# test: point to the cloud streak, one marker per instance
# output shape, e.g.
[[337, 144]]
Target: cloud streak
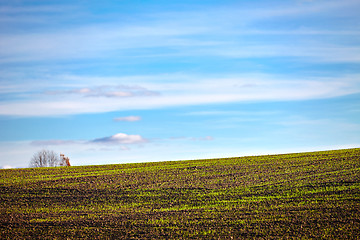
[[121, 138], [186, 33], [183, 90], [53, 142], [127, 119], [117, 91], [7, 167], [207, 138]]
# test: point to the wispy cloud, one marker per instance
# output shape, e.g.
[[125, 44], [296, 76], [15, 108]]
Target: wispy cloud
[[53, 142], [184, 33], [19, 10], [325, 123], [7, 167], [106, 91], [231, 113], [186, 90], [61, 46], [127, 119], [207, 138], [121, 138]]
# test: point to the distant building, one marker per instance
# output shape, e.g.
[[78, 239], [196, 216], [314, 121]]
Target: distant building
[[65, 160]]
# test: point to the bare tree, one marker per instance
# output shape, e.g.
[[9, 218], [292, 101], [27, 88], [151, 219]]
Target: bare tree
[[46, 158]]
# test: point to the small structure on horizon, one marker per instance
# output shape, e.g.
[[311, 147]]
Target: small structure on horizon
[[65, 160]]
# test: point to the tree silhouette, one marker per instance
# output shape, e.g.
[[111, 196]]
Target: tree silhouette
[[46, 158]]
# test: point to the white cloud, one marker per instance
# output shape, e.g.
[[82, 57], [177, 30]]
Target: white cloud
[[188, 33], [207, 138], [80, 152], [62, 46], [7, 167], [121, 138], [127, 119], [185, 90], [228, 113], [106, 91], [214, 32]]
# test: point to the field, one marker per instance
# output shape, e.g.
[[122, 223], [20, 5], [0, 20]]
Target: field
[[289, 196]]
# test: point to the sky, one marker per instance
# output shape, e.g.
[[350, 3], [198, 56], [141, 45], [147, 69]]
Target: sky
[[123, 81]]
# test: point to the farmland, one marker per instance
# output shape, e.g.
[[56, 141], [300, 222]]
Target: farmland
[[301, 195]]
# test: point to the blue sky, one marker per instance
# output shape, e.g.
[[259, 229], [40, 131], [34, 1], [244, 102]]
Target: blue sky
[[134, 81]]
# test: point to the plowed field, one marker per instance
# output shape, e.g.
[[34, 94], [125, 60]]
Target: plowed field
[[304, 195]]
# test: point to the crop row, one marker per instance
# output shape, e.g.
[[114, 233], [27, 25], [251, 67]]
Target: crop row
[[305, 195]]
